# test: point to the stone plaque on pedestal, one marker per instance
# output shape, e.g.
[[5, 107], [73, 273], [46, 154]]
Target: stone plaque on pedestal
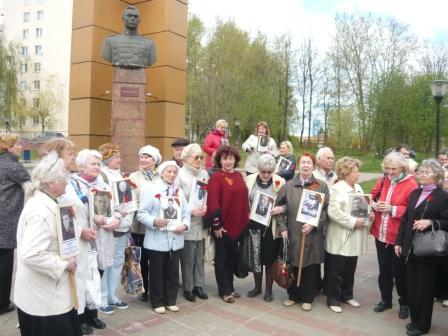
[[128, 114]]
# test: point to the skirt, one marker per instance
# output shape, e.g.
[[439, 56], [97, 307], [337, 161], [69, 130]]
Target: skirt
[[66, 324]]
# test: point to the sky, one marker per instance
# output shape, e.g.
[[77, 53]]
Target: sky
[[314, 18]]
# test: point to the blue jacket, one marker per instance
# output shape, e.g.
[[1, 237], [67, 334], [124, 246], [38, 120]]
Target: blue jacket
[[149, 210]]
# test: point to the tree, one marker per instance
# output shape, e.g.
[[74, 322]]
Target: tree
[[48, 103]]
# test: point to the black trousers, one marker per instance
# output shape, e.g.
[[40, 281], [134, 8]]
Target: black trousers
[[88, 316], [442, 280], [224, 263], [309, 284], [144, 261], [421, 278], [6, 269], [163, 277], [340, 278], [56, 325], [391, 268]]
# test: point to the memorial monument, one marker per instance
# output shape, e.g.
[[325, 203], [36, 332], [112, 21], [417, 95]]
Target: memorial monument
[[130, 53]]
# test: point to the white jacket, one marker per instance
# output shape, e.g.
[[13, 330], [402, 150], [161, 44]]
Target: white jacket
[[252, 156], [42, 284], [342, 237]]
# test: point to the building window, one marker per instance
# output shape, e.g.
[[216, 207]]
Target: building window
[[40, 15], [25, 34], [23, 68], [36, 85], [23, 102], [36, 102], [22, 85], [38, 49], [22, 121], [39, 32], [36, 120], [26, 17], [24, 51], [37, 67]]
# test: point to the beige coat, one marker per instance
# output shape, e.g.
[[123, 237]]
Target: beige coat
[[290, 195], [342, 236], [42, 284], [277, 182]]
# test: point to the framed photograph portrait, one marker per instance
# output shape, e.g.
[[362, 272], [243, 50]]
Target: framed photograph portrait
[[310, 207], [359, 205], [198, 195], [283, 164], [262, 205], [263, 143], [170, 210], [68, 241], [124, 195], [100, 203]]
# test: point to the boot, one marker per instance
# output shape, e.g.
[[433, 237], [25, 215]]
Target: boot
[[268, 297], [257, 290]]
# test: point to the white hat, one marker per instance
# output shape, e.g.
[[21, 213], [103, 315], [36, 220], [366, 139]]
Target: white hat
[[165, 164], [151, 151], [190, 150]]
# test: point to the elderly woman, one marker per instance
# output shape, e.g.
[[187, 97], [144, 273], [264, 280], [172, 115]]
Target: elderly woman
[[346, 234], [42, 285], [268, 183], [228, 216], [192, 256], [163, 246], [215, 139], [426, 208], [93, 239], [150, 158], [63, 147], [390, 199], [251, 146], [286, 151], [110, 173], [290, 196], [12, 177]]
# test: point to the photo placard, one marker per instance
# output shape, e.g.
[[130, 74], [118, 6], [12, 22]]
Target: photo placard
[[283, 164], [263, 143], [170, 210], [124, 195], [261, 208], [359, 205], [67, 232], [310, 207], [100, 203], [198, 195]]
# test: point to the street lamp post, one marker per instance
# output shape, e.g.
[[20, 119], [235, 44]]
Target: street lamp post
[[439, 89]]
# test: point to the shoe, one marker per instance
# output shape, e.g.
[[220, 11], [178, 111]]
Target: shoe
[[409, 326], [160, 310], [97, 323], [353, 303], [254, 292], [236, 295], [403, 312], [8, 309], [382, 306], [86, 329], [289, 303], [228, 298], [306, 306], [415, 332], [173, 308], [119, 304], [108, 310], [200, 293], [268, 297], [189, 296], [445, 303], [336, 309], [143, 297]]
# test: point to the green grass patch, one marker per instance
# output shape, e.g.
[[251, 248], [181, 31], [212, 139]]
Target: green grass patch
[[367, 185]]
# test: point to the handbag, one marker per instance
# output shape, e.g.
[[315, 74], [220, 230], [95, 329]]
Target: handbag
[[280, 269], [131, 274], [251, 251], [433, 243]]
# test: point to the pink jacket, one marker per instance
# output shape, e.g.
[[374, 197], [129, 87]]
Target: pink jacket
[[212, 142]]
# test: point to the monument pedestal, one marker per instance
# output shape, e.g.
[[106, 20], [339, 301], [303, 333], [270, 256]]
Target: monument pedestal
[[128, 115]]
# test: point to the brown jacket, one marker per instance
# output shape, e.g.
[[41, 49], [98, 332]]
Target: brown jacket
[[290, 195]]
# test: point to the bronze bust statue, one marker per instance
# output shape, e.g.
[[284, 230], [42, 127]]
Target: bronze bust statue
[[129, 50]]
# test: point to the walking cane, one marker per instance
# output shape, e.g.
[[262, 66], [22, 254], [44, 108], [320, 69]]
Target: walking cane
[[73, 290], [302, 249]]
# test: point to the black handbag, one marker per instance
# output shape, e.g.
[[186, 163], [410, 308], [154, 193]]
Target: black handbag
[[433, 243]]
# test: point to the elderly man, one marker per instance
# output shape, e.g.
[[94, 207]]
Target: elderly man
[[325, 162], [442, 158], [178, 145]]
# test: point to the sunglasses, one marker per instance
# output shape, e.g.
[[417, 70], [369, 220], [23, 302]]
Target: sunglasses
[[266, 172], [198, 157]]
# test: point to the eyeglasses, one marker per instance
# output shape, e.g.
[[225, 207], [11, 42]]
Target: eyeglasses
[[197, 157], [266, 172], [425, 173]]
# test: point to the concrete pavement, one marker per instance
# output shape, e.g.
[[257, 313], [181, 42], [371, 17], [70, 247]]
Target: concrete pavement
[[255, 317]]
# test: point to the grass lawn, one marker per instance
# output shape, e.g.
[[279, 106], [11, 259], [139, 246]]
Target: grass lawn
[[367, 185]]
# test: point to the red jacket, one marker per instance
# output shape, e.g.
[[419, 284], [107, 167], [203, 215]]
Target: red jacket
[[211, 143], [385, 226]]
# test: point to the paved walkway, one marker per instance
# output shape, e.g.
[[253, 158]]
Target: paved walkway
[[256, 317]]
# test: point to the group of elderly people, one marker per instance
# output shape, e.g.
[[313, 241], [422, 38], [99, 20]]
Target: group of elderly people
[[44, 281]]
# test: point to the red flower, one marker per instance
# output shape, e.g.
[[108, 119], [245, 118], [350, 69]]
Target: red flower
[[277, 183], [131, 184], [157, 196], [204, 187], [94, 190], [429, 198]]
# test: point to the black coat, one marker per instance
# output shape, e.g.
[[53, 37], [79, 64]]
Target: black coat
[[436, 210]]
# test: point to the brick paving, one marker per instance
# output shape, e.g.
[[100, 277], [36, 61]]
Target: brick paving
[[255, 317]]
